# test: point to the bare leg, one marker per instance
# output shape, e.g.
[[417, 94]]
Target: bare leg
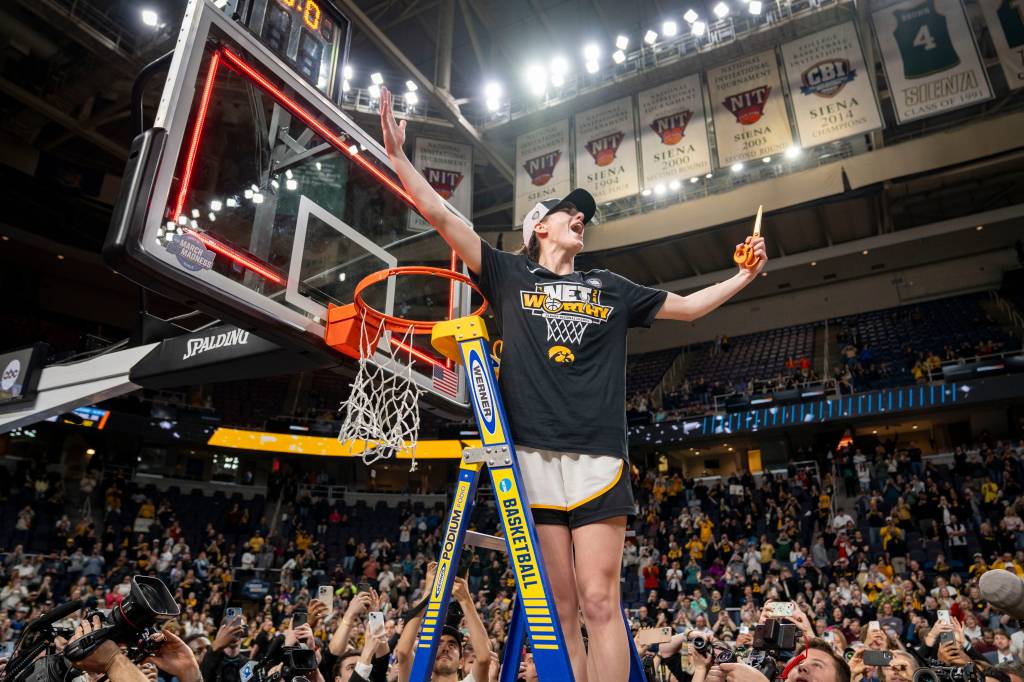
[[598, 549], [556, 546]]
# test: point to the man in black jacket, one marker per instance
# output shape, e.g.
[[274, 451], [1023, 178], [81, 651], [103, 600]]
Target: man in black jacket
[[224, 659]]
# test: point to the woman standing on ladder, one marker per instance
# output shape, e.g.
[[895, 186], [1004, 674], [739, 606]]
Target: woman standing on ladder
[[563, 380]]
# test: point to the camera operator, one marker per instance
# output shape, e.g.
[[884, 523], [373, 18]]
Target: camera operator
[[172, 657], [224, 659]]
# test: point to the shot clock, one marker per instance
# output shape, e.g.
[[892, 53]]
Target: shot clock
[[311, 36]]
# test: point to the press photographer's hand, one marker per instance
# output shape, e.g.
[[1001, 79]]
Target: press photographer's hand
[[103, 657]]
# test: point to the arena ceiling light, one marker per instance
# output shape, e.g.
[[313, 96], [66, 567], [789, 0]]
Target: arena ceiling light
[[618, 56], [674, 185], [650, 37], [659, 189], [374, 91], [411, 98], [593, 67], [621, 42], [559, 67], [793, 151], [691, 16], [698, 28], [150, 18], [492, 95], [754, 7], [736, 167], [537, 79], [347, 72], [669, 29], [591, 52], [646, 192], [694, 180], [411, 86], [721, 10]]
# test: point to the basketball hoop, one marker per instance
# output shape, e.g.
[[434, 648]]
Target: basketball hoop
[[382, 411]]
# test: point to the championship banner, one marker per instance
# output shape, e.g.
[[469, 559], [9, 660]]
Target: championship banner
[[673, 132], [542, 166], [1005, 19], [930, 58], [749, 109], [829, 86], [448, 167], [606, 151]]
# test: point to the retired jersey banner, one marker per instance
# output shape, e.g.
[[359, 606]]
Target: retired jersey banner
[[606, 151], [931, 60], [542, 166], [1005, 19], [749, 109], [673, 134], [448, 167], [829, 87]]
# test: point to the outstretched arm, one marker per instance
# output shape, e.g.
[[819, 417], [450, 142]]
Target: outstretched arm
[[700, 303], [459, 235]]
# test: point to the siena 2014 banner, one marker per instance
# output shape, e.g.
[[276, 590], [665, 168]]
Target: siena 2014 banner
[[829, 86], [606, 151], [930, 58], [749, 109], [542, 166], [1005, 19], [448, 167], [673, 134]]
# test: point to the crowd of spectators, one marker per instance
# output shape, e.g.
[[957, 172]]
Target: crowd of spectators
[[907, 540]]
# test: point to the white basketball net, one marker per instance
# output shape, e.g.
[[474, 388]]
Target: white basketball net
[[383, 410], [565, 329]]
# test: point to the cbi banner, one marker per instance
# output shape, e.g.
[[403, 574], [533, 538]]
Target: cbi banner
[[930, 58], [1005, 19], [448, 167], [673, 132], [606, 151], [748, 109], [542, 166], [829, 86]]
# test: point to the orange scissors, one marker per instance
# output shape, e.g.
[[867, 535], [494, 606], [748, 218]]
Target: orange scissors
[[744, 255]]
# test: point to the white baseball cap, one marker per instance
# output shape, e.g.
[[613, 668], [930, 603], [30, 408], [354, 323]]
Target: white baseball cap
[[580, 198]]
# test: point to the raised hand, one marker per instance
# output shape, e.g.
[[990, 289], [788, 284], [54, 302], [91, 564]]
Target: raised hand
[[757, 245], [394, 131]]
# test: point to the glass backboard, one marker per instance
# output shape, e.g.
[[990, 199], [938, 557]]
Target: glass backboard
[[256, 199]]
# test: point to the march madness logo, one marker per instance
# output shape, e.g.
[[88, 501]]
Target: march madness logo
[[671, 128], [827, 78], [568, 308], [603, 149], [748, 107], [541, 168], [444, 182]]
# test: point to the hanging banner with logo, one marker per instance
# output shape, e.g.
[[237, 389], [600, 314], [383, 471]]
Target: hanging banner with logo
[[829, 87], [930, 58], [1005, 19], [448, 167], [673, 133], [606, 151], [749, 109], [542, 166]]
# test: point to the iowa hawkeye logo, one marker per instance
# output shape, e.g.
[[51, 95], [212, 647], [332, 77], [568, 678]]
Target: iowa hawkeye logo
[[748, 107], [671, 128], [541, 168], [827, 78], [603, 149], [444, 182]]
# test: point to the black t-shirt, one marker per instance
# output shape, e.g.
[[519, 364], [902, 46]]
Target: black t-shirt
[[563, 363]]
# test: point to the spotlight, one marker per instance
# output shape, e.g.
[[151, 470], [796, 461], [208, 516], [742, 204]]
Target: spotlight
[[593, 67], [814, 263], [766, 159], [650, 37], [618, 56], [345, 86], [537, 77], [559, 66], [374, 91], [721, 10], [621, 42], [659, 189], [150, 18], [754, 7], [793, 151], [864, 252], [698, 28], [411, 86], [979, 228], [646, 192], [708, 176], [492, 90], [411, 98], [291, 185], [674, 185], [591, 52], [558, 80], [493, 105], [347, 72], [376, 78], [736, 167], [669, 29], [694, 180], [691, 16]]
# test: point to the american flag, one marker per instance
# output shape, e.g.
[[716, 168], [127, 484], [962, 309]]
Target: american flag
[[445, 380]]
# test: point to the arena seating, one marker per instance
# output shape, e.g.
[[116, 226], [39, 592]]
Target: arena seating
[[645, 371]]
